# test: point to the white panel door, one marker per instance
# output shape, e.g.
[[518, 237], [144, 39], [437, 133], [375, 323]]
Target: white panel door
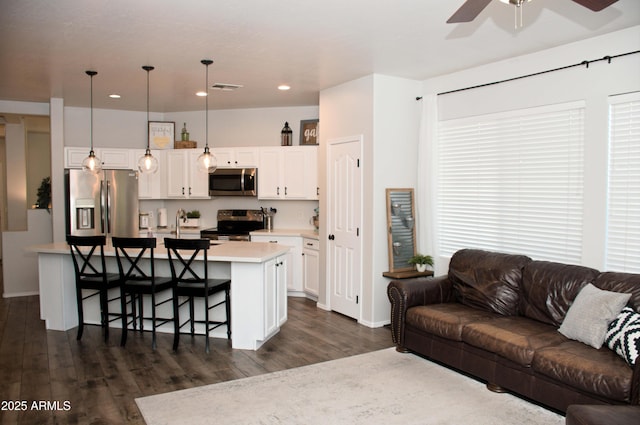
[[345, 214]]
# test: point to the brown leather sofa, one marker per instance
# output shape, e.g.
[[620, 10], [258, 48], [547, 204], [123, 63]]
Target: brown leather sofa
[[496, 317]]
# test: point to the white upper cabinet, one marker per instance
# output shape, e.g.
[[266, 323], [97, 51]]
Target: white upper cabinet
[[288, 172], [183, 179], [111, 158], [236, 157]]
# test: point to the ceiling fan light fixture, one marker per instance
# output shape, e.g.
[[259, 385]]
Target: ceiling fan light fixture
[[91, 164]]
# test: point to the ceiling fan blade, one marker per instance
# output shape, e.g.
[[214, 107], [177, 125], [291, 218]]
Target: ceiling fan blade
[[595, 5], [468, 11]]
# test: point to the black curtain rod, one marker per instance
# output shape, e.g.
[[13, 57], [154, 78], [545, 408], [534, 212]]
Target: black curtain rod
[[585, 63]]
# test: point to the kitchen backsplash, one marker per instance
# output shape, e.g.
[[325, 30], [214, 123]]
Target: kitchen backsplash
[[290, 215]]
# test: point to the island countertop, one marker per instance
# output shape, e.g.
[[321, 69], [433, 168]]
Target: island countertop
[[232, 251], [258, 288]]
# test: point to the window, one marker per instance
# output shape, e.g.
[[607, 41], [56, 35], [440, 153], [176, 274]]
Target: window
[[623, 204], [513, 182]]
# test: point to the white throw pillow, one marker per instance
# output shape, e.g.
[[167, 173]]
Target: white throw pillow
[[590, 314]]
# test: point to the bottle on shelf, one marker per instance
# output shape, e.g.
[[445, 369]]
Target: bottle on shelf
[[184, 134]]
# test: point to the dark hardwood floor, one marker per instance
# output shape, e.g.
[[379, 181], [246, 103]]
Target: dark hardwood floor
[[93, 382]]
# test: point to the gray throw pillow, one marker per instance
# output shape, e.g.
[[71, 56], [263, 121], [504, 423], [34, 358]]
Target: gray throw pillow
[[590, 314]]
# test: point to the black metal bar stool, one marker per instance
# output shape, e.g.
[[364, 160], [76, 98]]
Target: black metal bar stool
[[138, 278], [188, 283], [87, 253]]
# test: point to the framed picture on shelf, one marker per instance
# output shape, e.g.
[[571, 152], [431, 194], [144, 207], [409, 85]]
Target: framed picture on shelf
[[309, 132], [161, 134]]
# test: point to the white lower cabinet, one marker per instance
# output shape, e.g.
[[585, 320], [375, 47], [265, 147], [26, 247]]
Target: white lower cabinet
[[294, 256], [310, 266], [275, 299]]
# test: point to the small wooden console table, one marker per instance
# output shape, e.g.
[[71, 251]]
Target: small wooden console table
[[407, 274]]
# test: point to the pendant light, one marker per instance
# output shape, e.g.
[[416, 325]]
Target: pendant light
[[207, 162], [92, 163], [148, 164]]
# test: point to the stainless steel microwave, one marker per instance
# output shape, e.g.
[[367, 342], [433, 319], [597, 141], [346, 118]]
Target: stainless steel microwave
[[233, 182]]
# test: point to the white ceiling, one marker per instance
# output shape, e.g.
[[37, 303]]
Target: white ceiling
[[46, 46]]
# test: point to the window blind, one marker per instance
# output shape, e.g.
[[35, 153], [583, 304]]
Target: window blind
[[623, 203], [513, 182]]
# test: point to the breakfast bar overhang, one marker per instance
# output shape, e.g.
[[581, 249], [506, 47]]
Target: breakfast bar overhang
[[258, 287]]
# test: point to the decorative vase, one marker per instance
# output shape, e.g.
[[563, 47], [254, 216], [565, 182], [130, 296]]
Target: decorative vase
[[421, 267]]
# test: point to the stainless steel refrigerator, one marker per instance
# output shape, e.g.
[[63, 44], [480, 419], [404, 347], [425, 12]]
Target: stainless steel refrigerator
[[102, 204]]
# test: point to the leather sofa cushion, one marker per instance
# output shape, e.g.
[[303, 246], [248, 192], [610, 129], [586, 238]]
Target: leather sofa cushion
[[487, 280], [599, 372], [514, 338], [548, 289], [627, 283], [445, 320], [595, 414]]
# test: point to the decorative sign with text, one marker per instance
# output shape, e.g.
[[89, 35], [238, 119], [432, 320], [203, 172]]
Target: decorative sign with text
[[309, 132]]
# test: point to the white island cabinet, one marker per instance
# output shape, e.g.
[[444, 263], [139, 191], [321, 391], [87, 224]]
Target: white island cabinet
[[258, 288]]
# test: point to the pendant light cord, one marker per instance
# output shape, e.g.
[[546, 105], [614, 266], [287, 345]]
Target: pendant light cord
[[206, 63], [91, 122], [148, 69], [91, 74], [206, 106]]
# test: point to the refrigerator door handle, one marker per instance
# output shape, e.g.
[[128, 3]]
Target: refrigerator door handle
[[103, 205], [108, 207]]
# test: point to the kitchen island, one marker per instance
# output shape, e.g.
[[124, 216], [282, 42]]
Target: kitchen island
[[258, 288]]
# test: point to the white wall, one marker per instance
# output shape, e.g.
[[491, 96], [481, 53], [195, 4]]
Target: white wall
[[384, 111], [395, 161], [20, 266], [242, 127], [593, 85], [16, 176], [345, 111], [38, 156]]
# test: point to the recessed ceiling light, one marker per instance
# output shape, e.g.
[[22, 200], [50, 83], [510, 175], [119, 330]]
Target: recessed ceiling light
[[283, 87], [114, 96], [201, 93]]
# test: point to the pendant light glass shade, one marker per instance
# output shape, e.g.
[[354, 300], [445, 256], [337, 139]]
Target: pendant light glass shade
[[148, 164], [207, 162], [91, 164]]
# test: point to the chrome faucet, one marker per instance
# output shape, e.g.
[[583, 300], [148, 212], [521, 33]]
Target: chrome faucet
[[180, 214]]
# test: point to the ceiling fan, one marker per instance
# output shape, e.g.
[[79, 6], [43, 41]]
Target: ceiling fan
[[472, 8]]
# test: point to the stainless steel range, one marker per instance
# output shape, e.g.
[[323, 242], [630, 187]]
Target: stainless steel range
[[235, 225]]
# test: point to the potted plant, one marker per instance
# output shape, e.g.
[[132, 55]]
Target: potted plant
[[421, 261], [44, 194], [193, 219]]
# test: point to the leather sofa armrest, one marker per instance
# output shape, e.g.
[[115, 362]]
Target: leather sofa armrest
[[635, 384], [404, 294]]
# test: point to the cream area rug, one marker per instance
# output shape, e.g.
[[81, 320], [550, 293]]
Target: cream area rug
[[382, 387]]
